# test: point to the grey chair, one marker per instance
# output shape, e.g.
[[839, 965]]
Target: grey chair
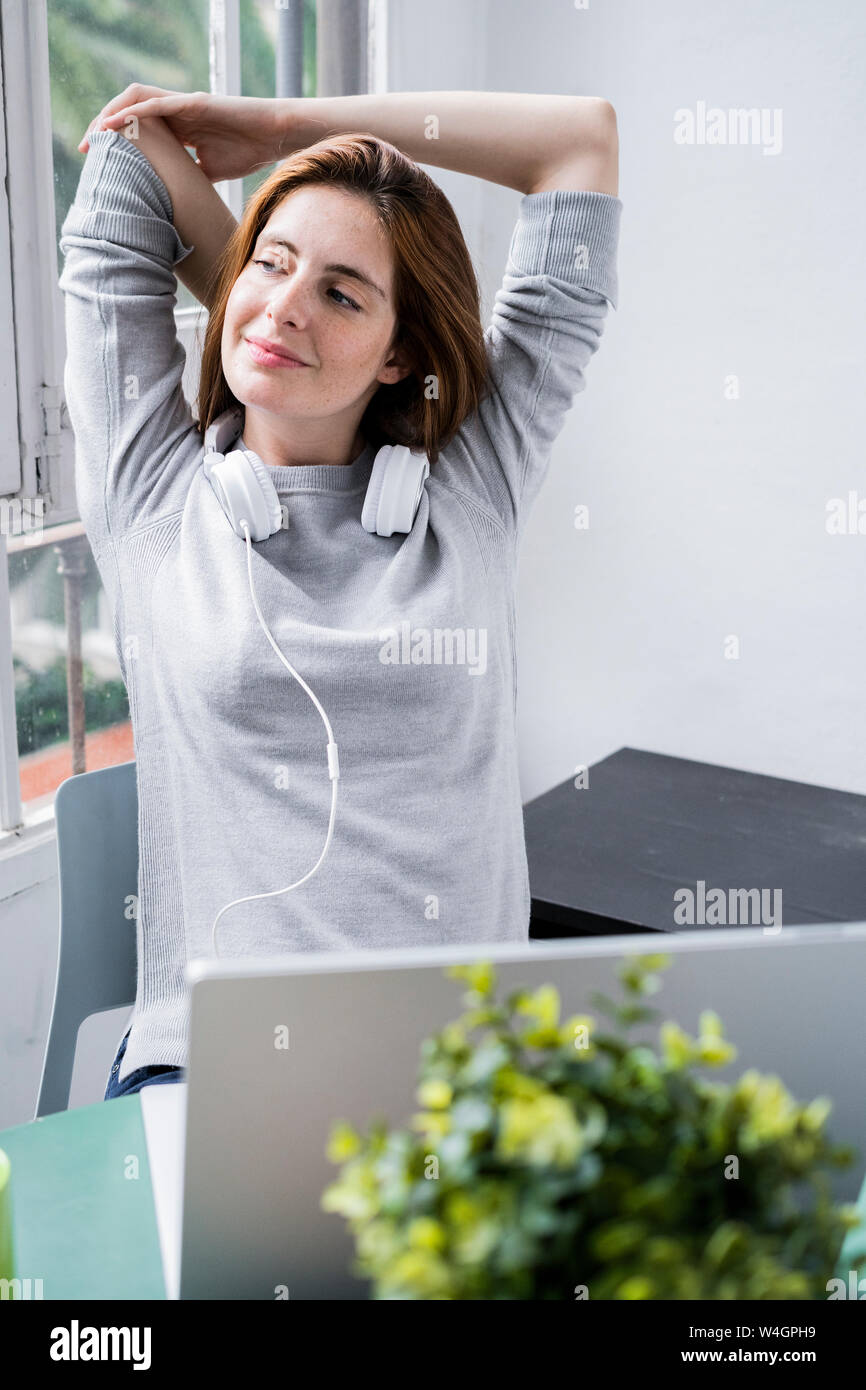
[[96, 815]]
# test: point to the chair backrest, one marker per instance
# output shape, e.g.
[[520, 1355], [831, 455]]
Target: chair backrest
[[96, 815]]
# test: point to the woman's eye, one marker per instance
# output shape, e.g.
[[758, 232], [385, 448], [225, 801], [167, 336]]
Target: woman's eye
[[349, 301]]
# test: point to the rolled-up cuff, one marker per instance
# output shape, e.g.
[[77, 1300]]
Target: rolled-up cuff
[[121, 198], [569, 234]]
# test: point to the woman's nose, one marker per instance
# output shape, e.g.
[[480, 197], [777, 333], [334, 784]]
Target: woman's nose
[[290, 302]]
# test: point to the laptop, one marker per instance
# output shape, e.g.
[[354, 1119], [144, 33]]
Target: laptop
[[282, 1046]]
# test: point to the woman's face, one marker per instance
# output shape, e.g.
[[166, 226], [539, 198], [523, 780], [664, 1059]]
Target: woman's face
[[306, 296]]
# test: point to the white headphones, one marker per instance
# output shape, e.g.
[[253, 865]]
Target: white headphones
[[245, 488], [246, 493]]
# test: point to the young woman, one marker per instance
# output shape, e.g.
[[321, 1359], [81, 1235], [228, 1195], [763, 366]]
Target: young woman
[[343, 319]]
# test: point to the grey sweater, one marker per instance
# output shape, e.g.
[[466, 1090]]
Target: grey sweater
[[408, 641]]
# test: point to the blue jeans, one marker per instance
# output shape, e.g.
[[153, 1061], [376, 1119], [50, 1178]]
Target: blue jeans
[[142, 1076]]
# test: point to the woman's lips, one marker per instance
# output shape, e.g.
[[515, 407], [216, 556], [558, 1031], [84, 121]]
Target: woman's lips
[[265, 358]]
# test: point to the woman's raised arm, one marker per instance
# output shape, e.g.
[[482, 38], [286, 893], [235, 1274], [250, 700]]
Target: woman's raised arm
[[519, 139], [522, 140], [201, 217]]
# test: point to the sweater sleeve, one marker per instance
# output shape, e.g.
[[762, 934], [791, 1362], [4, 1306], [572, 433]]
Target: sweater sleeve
[[124, 363], [547, 322]]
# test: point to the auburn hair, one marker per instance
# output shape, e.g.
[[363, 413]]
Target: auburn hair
[[436, 294]]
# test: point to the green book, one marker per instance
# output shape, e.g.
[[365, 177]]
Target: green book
[[83, 1218]]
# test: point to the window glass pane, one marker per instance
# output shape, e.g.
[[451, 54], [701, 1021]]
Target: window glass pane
[[44, 629], [259, 26], [96, 48]]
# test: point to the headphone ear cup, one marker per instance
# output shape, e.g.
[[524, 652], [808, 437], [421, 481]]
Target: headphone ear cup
[[394, 490], [245, 491]]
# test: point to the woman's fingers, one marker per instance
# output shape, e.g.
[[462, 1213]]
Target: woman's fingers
[[136, 91], [153, 106], [110, 120], [132, 99]]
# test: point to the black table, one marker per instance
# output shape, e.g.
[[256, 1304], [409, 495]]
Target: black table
[[628, 852]]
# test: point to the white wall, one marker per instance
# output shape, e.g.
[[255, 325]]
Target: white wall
[[707, 514]]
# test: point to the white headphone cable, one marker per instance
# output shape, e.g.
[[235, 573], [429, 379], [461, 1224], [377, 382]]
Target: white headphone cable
[[333, 759]]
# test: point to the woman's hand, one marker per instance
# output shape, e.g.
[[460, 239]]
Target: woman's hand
[[231, 136]]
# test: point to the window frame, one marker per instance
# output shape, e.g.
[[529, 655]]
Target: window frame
[[38, 462]]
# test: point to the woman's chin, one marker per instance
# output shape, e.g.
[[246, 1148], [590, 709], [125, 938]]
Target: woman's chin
[[258, 394], [262, 388]]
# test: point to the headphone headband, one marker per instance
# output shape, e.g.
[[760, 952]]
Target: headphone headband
[[246, 492]]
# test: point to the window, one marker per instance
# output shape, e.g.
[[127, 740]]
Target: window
[[63, 704]]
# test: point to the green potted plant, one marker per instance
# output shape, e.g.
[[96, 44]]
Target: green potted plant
[[554, 1161]]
